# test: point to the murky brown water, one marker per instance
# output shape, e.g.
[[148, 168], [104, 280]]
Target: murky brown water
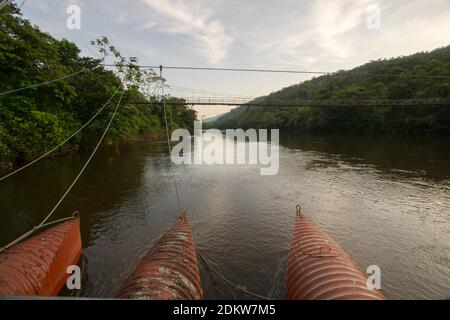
[[386, 200]]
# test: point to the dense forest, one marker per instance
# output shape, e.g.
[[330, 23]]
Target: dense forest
[[35, 120], [382, 79]]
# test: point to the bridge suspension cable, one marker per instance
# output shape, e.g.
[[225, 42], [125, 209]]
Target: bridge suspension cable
[[213, 93], [291, 71]]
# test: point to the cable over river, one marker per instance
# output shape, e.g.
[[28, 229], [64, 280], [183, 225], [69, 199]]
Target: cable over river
[[386, 200]]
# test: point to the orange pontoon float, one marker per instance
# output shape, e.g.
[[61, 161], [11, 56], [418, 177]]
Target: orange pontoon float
[[169, 271], [319, 269], [38, 265]]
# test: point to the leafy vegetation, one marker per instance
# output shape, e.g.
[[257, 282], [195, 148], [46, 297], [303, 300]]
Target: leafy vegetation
[[394, 81], [33, 121]]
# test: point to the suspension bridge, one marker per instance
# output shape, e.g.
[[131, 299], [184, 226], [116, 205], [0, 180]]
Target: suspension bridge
[[244, 101]]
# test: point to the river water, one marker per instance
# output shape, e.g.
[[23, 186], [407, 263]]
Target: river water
[[385, 200]]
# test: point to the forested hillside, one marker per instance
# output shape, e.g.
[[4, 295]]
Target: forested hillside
[[33, 121], [388, 79]]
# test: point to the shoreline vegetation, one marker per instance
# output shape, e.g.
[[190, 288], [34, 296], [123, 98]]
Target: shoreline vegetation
[[406, 77], [35, 120]]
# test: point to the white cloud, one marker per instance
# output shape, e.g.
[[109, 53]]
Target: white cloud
[[191, 19], [319, 35], [323, 26], [334, 19], [331, 35]]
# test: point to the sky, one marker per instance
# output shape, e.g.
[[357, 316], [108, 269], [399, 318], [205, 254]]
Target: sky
[[313, 35]]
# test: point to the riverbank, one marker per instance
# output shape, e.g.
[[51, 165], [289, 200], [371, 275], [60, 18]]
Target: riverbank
[[427, 120], [5, 167]]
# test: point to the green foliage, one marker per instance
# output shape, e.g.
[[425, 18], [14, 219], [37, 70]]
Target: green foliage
[[355, 85], [33, 121], [4, 146], [37, 126]]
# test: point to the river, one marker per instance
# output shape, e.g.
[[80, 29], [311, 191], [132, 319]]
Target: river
[[386, 200]]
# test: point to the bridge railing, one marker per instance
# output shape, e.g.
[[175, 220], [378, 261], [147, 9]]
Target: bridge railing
[[305, 102]]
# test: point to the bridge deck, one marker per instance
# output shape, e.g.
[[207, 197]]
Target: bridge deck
[[299, 103]]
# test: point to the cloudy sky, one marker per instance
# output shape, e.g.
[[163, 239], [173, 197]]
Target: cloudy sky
[[318, 35]]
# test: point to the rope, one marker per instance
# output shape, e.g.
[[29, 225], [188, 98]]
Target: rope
[[62, 143], [183, 213], [47, 225], [168, 140], [234, 285], [44, 83], [274, 290], [43, 223], [58, 221]]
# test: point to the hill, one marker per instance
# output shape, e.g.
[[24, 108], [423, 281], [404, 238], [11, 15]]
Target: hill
[[392, 81], [214, 118]]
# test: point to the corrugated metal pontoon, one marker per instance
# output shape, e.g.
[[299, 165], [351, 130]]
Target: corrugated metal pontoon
[[169, 271], [319, 269], [38, 266]]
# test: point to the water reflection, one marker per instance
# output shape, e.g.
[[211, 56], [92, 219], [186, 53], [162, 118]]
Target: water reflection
[[424, 156]]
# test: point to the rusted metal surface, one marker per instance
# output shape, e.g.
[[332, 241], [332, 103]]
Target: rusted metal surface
[[169, 271], [319, 269], [37, 266]]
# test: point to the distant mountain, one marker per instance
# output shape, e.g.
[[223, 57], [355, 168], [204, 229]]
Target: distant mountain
[[232, 114], [217, 117], [392, 82]]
